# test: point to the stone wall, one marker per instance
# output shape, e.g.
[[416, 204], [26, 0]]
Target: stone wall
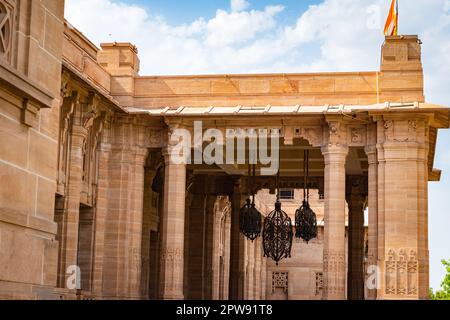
[[29, 129]]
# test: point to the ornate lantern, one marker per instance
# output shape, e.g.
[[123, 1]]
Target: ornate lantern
[[250, 218], [305, 218], [277, 232]]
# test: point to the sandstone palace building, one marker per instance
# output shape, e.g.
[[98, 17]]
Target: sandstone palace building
[[89, 197]]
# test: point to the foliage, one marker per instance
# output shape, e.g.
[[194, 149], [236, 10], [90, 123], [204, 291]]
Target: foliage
[[444, 293]]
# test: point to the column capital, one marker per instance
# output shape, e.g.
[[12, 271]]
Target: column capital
[[371, 150], [141, 155], [79, 135], [357, 188], [335, 153]]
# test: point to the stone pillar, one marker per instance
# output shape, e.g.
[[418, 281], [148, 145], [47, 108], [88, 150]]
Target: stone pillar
[[135, 226], [263, 277], [69, 249], [196, 239], [237, 247], [403, 212], [209, 280], [250, 270], [372, 156], [225, 276], [335, 153], [258, 267], [100, 217], [172, 237], [356, 199]]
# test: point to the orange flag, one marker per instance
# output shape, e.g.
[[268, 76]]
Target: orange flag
[[391, 27]]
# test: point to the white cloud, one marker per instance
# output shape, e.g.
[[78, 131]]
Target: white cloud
[[239, 5], [238, 27]]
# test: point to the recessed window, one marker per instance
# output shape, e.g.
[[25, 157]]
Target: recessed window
[[287, 194]]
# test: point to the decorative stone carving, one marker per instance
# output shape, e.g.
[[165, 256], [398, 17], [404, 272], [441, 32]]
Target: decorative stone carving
[[172, 254], [155, 138], [403, 131], [357, 135], [334, 267], [334, 132], [412, 126], [7, 13], [319, 282], [313, 135], [66, 120], [66, 92], [412, 273], [389, 130], [280, 280], [390, 273], [401, 273]]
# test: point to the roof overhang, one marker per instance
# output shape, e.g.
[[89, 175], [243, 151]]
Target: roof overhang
[[211, 111], [440, 115]]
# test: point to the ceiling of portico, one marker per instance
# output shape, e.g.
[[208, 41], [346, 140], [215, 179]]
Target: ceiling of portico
[[291, 162]]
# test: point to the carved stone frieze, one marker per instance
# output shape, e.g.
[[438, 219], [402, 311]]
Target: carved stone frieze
[[401, 272], [404, 131]]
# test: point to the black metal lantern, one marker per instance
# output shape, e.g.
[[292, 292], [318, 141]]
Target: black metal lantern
[[305, 218], [277, 233], [250, 218]]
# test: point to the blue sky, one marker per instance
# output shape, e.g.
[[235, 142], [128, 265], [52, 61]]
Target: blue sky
[[186, 11], [204, 37]]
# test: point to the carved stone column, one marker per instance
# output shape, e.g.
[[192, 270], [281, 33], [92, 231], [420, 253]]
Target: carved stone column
[[356, 199], [173, 223], [250, 270], [136, 224], [372, 156], [69, 253], [258, 267], [237, 245], [335, 152], [403, 209], [100, 216]]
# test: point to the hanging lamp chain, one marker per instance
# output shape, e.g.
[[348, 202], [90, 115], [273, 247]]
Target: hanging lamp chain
[[305, 218]]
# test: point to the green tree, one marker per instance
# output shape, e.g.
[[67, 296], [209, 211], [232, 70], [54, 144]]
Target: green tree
[[444, 293]]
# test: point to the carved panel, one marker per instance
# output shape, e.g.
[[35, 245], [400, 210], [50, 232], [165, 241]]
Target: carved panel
[[155, 138], [412, 273], [7, 23], [319, 282], [357, 136], [401, 268], [391, 273], [404, 131], [313, 135], [334, 269], [172, 254], [280, 280]]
